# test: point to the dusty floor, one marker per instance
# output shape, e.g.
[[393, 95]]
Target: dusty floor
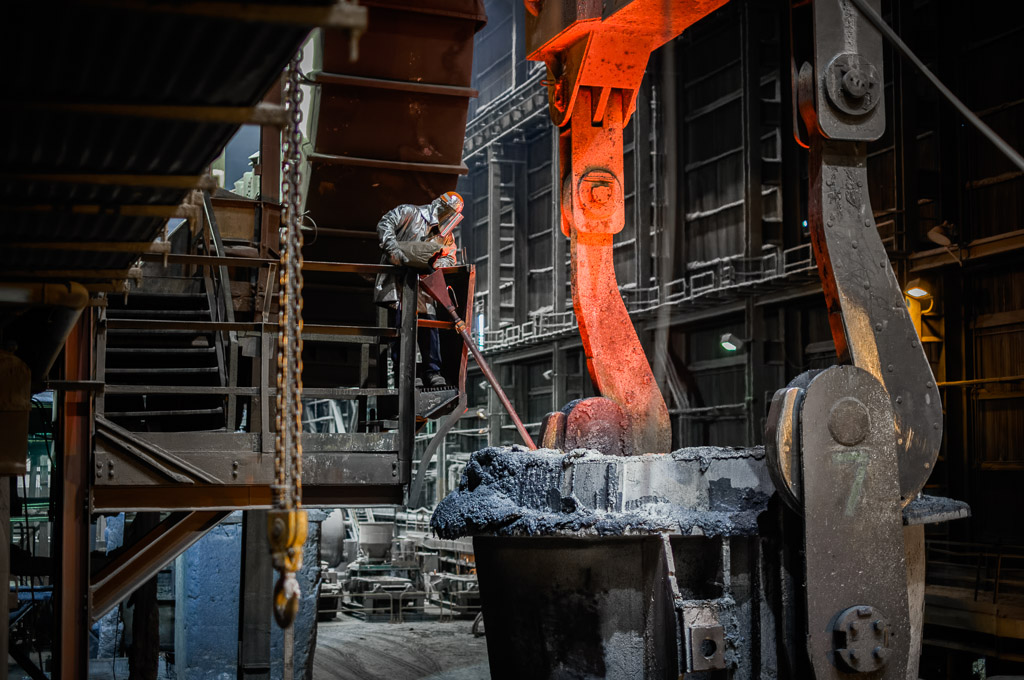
[[349, 649]]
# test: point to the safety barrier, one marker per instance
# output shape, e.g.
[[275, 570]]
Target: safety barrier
[[706, 283]]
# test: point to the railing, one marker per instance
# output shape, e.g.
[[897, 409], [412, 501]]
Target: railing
[[988, 571], [218, 294], [262, 336], [706, 283], [407, 599]]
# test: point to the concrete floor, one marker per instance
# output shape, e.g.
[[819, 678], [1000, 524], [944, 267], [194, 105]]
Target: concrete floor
[[350, 649]]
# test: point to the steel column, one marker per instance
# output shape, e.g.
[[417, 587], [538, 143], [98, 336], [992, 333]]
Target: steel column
[[72, 648], [255, 602], [406, 382], [5, 563], [752, 213], [558, 280], [493, 319], [642, 161]]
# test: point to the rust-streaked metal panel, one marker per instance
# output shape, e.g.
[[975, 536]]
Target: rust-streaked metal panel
[[388, 129]]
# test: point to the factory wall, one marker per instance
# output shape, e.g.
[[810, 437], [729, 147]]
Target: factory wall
[[207, 608]]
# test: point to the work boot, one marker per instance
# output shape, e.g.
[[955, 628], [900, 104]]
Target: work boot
[[435, 380], [419, 381]]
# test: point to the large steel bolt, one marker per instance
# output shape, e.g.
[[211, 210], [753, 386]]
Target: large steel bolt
[[600, 193], [860, 647], [848, 421], [853, 84], [856, 83], [558, 95]]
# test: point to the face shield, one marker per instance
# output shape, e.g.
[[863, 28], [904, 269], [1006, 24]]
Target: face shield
[[449, 212]]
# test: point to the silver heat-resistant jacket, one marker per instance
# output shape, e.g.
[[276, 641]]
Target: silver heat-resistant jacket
[[410, 223]]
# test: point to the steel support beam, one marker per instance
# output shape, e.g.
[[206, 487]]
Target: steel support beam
[[261, 114], [339, 15], [254, 262], [1003, 244], [122, 210], [241, 497], [141, 561], [493, 318], [559, 281], [406, 376], [5, 562], [642, 166], [753, 213], [325, 78], [72, 648], [105, 179], [256, 600]]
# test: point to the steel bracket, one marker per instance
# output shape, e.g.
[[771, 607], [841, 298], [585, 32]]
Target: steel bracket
[[853, 526]]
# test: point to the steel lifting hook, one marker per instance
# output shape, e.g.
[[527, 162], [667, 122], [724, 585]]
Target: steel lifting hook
[[287, 532]]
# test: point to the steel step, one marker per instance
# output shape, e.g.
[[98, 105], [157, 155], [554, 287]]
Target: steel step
[[158, 331], [163, 369], [161, 350], [179, 412], [196, 314]]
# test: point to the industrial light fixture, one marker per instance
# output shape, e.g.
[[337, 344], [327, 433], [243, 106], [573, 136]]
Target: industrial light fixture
[[939, 234], [942, 235], [731, 343], [917, 290]]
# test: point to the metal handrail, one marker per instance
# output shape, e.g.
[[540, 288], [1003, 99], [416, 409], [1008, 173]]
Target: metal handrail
[[225, 311]]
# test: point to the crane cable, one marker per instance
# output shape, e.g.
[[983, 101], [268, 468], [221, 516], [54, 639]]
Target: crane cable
[[971, 117]]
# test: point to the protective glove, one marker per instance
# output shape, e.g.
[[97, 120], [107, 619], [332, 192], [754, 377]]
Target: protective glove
[[419, 255], [398, 257]]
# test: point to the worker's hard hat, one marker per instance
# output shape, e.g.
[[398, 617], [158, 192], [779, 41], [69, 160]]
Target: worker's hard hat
[[452, 199], [450, 213]]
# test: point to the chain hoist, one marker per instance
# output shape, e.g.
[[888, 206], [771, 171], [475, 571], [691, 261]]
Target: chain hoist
[[287, 523]]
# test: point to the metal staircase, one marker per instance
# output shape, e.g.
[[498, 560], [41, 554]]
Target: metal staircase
[[163, 358]]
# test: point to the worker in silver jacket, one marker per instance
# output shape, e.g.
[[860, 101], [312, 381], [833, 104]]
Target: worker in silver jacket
[[397, 231]]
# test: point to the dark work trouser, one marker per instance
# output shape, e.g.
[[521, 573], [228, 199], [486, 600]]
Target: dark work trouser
[[429, 343]]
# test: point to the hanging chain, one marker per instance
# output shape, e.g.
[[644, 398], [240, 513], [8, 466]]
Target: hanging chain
[[286, 522], [288, 463]]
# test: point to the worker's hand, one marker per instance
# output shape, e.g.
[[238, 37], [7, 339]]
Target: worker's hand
[[398, 258]]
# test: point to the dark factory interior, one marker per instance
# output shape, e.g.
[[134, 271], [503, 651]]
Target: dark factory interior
[[715, 370]]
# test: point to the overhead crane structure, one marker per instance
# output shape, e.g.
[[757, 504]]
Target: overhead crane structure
[[166, 384]]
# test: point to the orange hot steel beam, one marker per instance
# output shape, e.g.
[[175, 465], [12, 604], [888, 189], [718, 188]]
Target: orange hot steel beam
[[596, 54]]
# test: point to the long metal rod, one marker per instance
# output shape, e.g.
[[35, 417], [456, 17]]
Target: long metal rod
[[435, 286], [971, 117], [486, 369], [981, 381]]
